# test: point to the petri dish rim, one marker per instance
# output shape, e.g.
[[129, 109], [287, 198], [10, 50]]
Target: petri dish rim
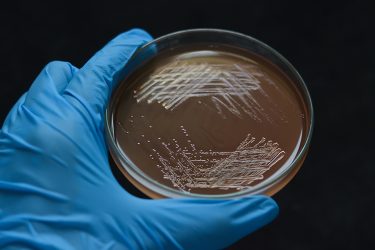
[[138, 175]]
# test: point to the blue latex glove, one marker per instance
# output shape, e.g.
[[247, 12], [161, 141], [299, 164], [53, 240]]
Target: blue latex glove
[[56, 187]]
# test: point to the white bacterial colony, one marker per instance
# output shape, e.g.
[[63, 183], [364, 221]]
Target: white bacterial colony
[[188, 167], [230, 88]]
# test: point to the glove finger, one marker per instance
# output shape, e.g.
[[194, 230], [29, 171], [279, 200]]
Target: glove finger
[[208, 224], [94, 82], [50, 82], [12, 115]]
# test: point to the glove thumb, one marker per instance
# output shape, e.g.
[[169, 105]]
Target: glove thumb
[[207, 224]]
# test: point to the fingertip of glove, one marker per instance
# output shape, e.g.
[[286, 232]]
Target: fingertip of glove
[[60, 66], [266, 206], [271, 207], [139, 33]]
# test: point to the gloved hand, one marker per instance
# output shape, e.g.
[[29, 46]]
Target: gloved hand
[[56, 187]]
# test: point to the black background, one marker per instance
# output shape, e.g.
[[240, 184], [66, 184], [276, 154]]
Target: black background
[[330, 204]]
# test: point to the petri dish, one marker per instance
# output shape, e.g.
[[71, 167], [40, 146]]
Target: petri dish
[[209, 113]]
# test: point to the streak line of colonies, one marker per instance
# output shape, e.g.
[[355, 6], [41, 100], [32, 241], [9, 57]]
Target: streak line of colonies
[[188, 169], [229, 87]]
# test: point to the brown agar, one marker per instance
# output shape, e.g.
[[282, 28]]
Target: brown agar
[[209, 120]]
